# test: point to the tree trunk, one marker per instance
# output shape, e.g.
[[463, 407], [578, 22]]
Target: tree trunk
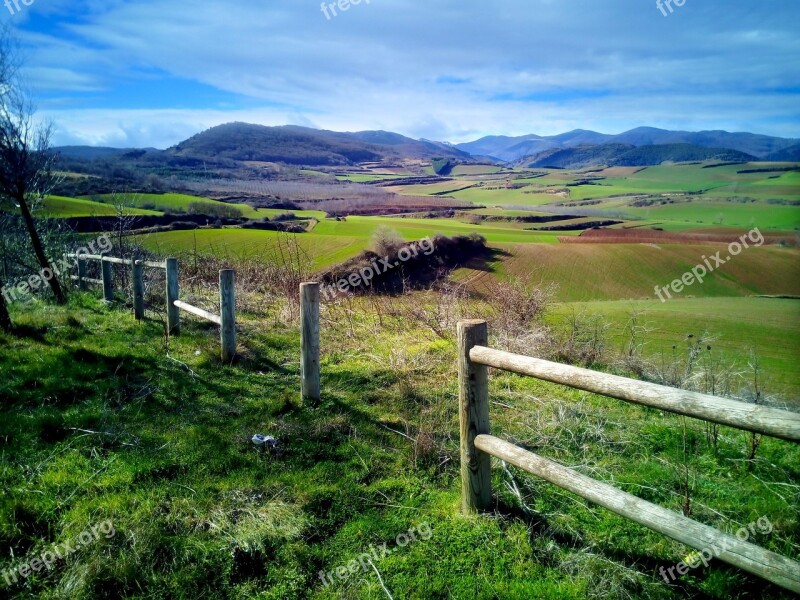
[[44, 262], [5, 318]]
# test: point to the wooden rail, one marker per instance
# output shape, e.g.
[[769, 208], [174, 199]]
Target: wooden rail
[[199, 312], [750, 417], [478, 446], [729, 548], [309, 302], [227, 289], [227, 301]]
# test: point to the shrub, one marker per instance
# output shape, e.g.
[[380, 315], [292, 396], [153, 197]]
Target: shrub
[[213, 209], [386, 241]]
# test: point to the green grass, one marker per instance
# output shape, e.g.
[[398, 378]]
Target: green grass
[[737, 326], [331, 241], [728, 214], [179, 202], [419, 228], [585, 272], [319, 251], [61, 207], [97, 423]]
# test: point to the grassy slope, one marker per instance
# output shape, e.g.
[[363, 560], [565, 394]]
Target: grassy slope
[[736, 325], [332, 241], [98, 424], [322, 251], [177, 202], [62, 207], [586, 272]]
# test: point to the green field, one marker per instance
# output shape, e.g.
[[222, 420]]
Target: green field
[[411, 229], [736, 326], [102, 420], [697, 195], [585, 272], [171, 202], [61, 207], [319, 251]]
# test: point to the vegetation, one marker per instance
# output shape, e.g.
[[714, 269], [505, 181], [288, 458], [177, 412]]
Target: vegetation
[[103, 418]]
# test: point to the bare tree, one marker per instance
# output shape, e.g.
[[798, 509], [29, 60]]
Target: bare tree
[[26, 159]]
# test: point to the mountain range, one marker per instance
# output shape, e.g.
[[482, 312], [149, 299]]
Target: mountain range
[[510, 149], [235, 143]]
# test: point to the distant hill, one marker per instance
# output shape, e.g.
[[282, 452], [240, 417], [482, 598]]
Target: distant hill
[[90, 152], [628, 155], [790, 154], [304, 146], [513, 148]]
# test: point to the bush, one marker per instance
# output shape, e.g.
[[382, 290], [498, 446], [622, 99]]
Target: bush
[[386, 241], [213, 209]]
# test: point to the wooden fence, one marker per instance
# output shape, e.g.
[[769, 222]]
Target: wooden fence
[[226, 320], [309, 309], [478, 446]]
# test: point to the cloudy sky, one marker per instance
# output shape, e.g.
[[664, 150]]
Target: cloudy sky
[[151, 73]]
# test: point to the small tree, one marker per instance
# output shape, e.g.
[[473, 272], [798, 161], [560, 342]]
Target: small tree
[[386, 241], [26, 160]]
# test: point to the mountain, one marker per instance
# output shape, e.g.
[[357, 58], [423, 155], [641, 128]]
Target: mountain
[[305, 146], [503, 147], [790, 154], [579, 137], [509, 148], [628, 155]]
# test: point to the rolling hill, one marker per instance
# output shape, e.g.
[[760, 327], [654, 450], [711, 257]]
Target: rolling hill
[[628, 155], [304, 146]]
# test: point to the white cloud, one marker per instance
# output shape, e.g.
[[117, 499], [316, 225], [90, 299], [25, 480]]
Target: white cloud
[[526, 65]]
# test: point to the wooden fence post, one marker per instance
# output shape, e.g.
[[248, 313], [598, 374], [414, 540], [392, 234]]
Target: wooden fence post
[[173, 294], [81, 274], [309, 341], [227, 303], [138, 290], [473, 397], [108, 278]]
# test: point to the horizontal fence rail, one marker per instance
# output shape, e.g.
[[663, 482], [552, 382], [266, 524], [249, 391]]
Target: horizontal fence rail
[[87, 279], [478, 446], [110, 259], [199, 312], [749, 557], [777, 423], [227, 294]]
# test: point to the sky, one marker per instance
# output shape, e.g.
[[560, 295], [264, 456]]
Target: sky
[[150, 73]]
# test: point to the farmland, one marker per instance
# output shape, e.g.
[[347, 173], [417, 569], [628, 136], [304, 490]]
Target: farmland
[[739, 330], [385, 443]]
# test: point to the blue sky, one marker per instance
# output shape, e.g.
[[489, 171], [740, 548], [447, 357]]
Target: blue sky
[[151, 73]]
